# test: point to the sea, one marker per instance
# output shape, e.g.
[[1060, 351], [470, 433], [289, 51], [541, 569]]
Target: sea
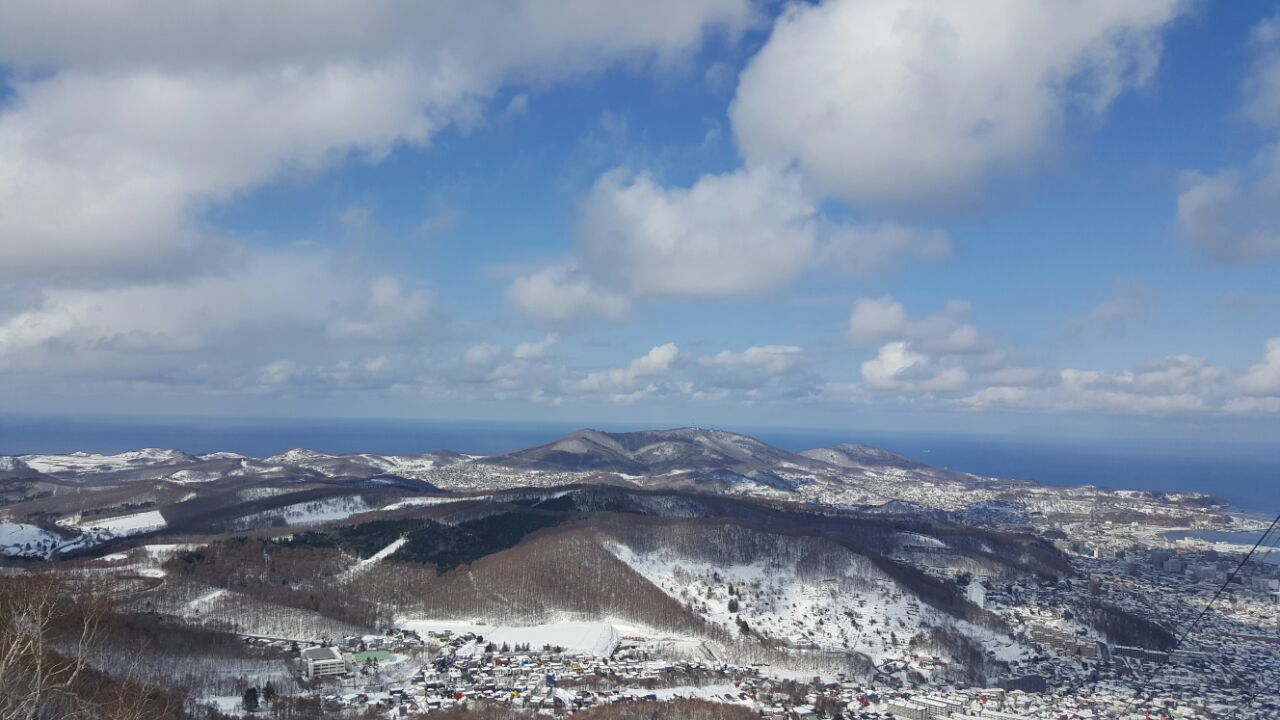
[[1245, 475]]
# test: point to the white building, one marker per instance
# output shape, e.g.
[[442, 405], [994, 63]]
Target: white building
[[977, 593], [323, 662]]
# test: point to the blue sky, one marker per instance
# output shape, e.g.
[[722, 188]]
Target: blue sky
[[1007, 216]]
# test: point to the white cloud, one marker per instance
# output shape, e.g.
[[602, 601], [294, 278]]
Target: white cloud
[[885, 318], [536, 350], [1262, 85], [129, 119], [747, 232], [758, 370], [1264, 377], [897, 367], [1233, 215], [270, 290], [623, 384], [560, 293], [773, 359], [392, 314], [213, 327], [888, 102], [483, 355], [733, 234], [347, 375]]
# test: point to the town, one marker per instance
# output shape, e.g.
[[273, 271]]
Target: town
[[1228, 666]]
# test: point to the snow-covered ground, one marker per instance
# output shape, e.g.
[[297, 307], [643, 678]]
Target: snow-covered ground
[[26, 540], [375, 558], [859, 609], [81, 462], [423, 501], [597, 638], [125, 525], [308, 513]]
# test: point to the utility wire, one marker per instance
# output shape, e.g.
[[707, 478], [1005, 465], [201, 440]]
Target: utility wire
[[1178, 644]]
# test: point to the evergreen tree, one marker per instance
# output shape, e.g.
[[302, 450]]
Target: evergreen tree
[[250, 699]]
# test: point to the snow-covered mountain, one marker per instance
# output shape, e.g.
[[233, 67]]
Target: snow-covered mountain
[[715, 454], [9, 463], [82, 463]]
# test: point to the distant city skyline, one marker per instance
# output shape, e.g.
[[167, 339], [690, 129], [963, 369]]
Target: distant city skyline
[[1006, 217]]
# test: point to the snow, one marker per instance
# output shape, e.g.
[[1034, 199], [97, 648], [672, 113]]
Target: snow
[[700, 692], [15, 538], [376, 558], [298, 456], [81, 462], [855, 608], [194, 476], [125, 525], [163, 551], [223, 455], [308, 513], [205, 600], [597, 638], [423, 501], [9, 463]]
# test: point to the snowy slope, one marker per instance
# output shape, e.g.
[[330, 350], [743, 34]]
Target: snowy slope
[[81, 462], [18, 539], [851, 608], [125, 525]]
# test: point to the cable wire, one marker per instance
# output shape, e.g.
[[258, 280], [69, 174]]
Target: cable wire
[[1178, 643]]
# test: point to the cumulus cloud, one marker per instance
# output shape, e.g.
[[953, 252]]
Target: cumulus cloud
[[269, 290], [1264, 377], [885, 318], [769, 358], [759, 369], [1262, 85], [126, 121], [741, 233], [125, 124], [346, 375], [889, 103], [482, 355], [626, 384], [1233, 214], [897, 367], [211, 328], [391, 314], [731, 234], [561, 293], [1175, 384], [536, 349], [920, 361]]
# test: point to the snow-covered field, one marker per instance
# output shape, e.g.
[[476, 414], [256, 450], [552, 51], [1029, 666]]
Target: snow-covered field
[[423, 501], [125, 525], [597, 638], [308, 513], [81, 462], [22, 539]]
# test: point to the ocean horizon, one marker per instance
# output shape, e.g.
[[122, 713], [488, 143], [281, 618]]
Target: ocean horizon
[[1244, 474]]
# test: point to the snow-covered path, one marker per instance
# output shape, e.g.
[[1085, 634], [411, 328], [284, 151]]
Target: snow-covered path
[[206, 598], [375, 558]]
